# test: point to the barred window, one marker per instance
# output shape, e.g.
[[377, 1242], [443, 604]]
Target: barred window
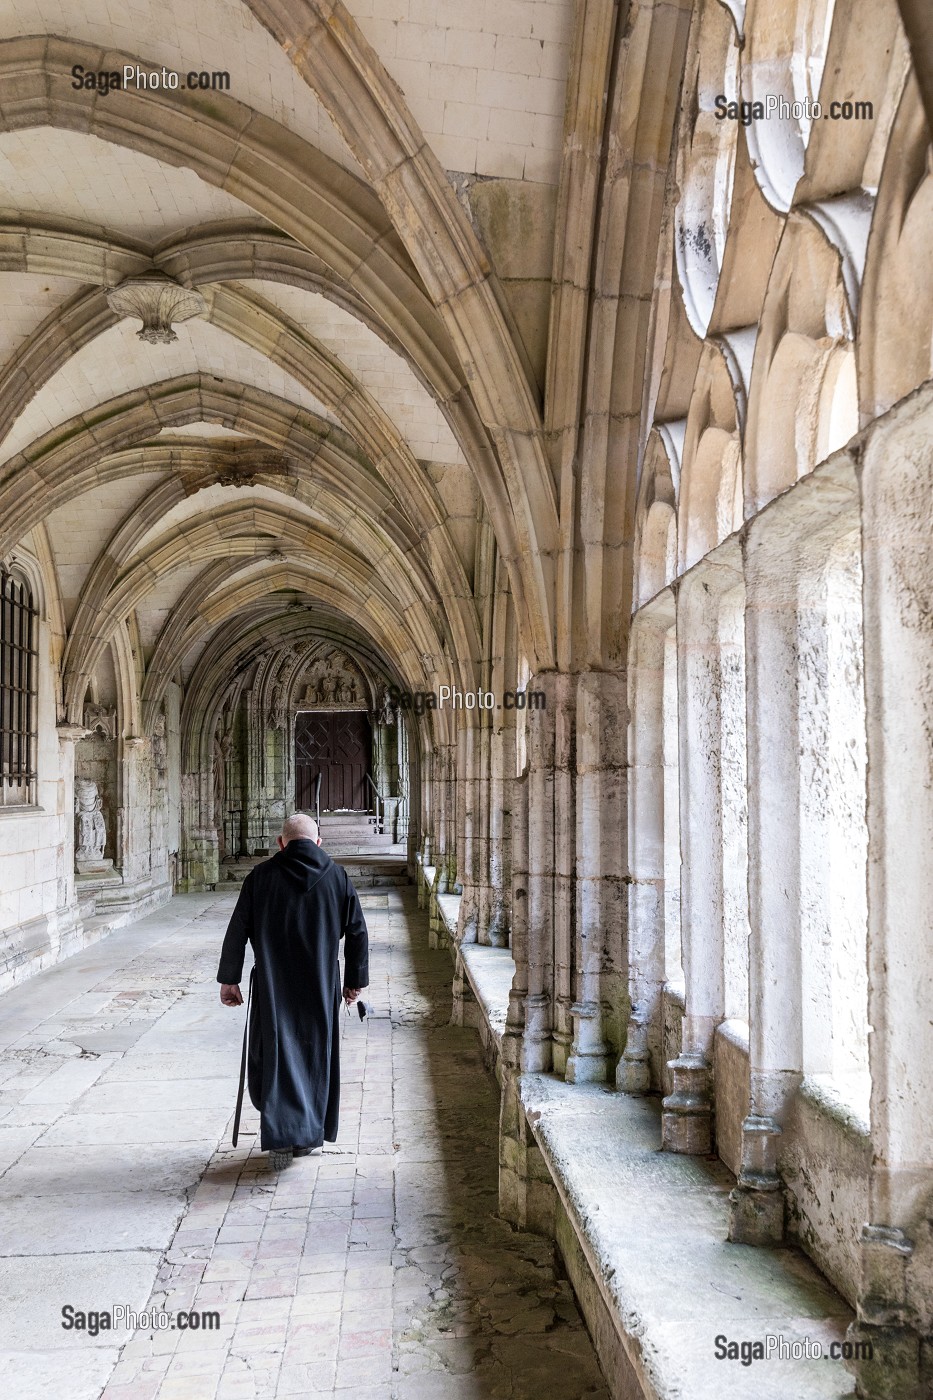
[[18, 657]]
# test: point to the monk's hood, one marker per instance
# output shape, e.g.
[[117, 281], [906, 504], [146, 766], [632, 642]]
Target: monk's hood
[[303, 864]]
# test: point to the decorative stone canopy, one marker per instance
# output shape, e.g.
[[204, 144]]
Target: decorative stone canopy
[[158, 301]]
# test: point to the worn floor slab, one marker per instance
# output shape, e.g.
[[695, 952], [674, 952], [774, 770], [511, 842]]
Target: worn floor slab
[[377, 1267]]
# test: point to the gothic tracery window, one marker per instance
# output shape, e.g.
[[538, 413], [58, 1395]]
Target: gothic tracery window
[[18, 668]]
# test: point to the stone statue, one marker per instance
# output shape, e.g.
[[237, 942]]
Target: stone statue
[[387, 713], [90, 830], [277, 706], [331, 682]]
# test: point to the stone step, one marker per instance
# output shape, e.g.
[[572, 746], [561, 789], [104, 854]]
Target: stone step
[[375, 872], [368, 870], [333, 824], [378, 882]]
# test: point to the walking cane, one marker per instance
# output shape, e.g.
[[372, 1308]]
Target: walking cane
[[239, 1095]]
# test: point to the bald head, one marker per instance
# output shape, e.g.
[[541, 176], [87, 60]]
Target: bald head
[[299, 827]]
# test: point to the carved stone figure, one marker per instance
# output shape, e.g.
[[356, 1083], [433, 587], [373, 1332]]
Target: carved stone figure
[[387, 711], [331, 680], [277, 706], [90, 828], [159, 754]]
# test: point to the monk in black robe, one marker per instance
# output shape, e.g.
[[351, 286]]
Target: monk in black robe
[[294, 909]]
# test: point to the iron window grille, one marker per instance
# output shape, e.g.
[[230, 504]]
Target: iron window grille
[[18, 670]]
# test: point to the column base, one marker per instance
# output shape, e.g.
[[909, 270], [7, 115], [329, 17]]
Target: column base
[[537, 1046], [633, 1073], [687, 1117], [757, 1202], [588, 1057], [889, 1359], [497, 936], [756, 1214], [887, 1363], [588, 1068]]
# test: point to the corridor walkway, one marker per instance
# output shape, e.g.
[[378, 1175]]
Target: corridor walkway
[[377, 1268]]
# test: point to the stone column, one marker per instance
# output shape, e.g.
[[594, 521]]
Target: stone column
[[68, 736], [894, 1305], [515, 1020], [133, 816], [428, 805], [542, 876], [687, 1116], [446, 851], [563, 862], [646, 930], [441, 826], [601, 741], [526, 1196], [469, 834], [775, 1027], [490, 889], [501, 763], [200, 862], [499, 867]]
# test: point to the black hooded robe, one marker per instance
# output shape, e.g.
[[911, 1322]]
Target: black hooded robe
[[294, 909]]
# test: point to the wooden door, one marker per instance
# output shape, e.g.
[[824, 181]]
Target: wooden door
[[338, 745]]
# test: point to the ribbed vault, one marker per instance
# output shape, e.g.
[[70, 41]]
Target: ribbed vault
[[342, 224]]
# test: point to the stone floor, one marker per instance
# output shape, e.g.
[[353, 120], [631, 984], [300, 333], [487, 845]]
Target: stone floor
[[377, 1267]]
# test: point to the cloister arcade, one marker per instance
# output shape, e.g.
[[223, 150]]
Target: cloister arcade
[[616, 402]]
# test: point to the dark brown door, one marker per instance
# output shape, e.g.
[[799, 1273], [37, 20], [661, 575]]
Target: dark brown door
[[338, 745]]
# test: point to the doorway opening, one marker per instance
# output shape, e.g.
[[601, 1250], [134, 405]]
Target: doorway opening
[[338, 745]]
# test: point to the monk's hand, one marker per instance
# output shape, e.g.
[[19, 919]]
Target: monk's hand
[[350, 995], [230, 994]]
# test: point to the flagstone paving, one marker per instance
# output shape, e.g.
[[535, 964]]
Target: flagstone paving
[[377, 1267]]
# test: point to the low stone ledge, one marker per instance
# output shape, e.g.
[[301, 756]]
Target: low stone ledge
[[491, 972], [443, 909], [448, 906], [643, 1235], [481, 994]]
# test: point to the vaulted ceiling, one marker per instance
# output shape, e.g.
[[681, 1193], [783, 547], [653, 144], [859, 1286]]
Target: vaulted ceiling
[[356, 412]]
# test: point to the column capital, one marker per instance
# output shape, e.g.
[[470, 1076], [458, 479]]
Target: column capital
[[71, 733]]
